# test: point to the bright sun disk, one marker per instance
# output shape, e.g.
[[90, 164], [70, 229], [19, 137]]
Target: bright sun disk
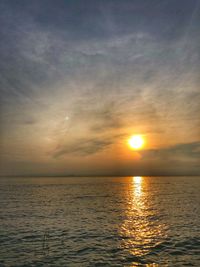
[[136, 142]]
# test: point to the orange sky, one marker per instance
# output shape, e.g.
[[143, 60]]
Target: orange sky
[[73, 92]]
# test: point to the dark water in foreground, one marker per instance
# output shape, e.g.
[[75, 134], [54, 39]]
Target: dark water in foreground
[[126, 221]]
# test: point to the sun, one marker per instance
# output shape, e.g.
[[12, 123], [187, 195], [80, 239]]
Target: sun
[[136, 142]]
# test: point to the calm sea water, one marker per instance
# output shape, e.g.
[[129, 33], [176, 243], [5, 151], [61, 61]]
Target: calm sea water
[[124, 221]]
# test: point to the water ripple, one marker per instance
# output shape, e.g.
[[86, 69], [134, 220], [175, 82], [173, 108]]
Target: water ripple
[[104, 222]]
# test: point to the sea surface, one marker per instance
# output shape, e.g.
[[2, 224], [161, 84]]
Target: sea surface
[[100, 221]]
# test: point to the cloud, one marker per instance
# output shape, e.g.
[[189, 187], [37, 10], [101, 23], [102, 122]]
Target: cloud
[[187, 151], [83, 147], [110, 67], [100, 115]]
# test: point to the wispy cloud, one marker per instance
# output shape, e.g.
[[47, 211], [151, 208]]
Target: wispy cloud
[[108, 67], [83, 147], [182, 152]]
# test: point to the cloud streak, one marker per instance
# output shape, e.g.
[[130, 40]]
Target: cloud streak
[[182, 152], [83, 147]]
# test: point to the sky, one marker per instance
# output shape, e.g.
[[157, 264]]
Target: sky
[[78, 78]]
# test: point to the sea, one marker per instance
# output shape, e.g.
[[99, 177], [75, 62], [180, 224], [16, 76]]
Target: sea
[[100, 221]]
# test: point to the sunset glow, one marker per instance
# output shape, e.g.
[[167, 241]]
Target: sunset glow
[[136, 142], [121, 97], [99, 133]]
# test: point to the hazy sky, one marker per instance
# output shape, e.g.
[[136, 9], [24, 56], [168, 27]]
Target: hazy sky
[[79, 77]]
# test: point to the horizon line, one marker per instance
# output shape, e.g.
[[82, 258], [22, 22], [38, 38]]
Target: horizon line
[[99, 175]]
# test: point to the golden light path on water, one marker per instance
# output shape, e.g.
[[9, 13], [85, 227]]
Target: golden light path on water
[[141, 229]]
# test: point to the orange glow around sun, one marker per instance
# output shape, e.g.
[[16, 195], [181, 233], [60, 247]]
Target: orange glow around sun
[[136, 142]]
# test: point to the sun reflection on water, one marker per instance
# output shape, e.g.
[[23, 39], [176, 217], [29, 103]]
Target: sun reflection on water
[[141, 229], [137, 183]]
